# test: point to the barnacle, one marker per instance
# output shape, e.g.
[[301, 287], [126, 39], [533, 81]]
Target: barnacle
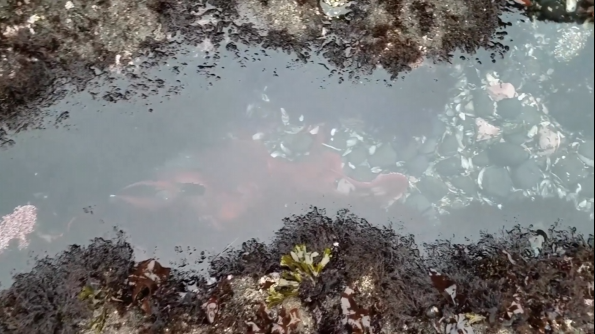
[[300, 265]]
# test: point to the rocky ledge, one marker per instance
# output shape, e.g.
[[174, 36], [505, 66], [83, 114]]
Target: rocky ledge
[[318, 275]]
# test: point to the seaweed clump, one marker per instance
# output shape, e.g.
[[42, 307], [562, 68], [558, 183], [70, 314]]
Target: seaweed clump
[[45, 46], [369, 279], [46, 299]]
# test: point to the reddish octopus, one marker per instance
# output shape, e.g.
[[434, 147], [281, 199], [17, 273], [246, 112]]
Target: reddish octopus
[[243, 176]]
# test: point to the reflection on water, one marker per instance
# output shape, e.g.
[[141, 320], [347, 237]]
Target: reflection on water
[[189, 172]]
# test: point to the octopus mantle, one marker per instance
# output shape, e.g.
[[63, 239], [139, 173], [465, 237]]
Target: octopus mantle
[[242, 176]]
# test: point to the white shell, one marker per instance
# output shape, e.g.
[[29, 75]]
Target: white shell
[[284, 117], [351, 142], [466, 163], [372, 150], [258, 136], [357, 136], [480, 178], [347, 151], [331, 147], [376, 170]]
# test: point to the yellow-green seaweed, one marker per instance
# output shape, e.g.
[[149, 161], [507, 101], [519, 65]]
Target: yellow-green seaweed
[[301, 264], [98, 300]]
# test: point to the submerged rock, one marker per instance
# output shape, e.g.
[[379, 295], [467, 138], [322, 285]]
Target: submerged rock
[[496, 182], [432, 187], [507, 154], [527, 175], [385, 156], [570, 169], [449, 167], [449, 146]]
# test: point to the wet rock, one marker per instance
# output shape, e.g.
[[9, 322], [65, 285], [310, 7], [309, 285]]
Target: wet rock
[[484, 106], [449, 167], [418, 165], [509, 108], [438, 127], [418, 202], [561, 106], [587, 186], [516, 196], [432, 187], [332, 9], [570, 169], [429, 146], [298, 143], [530, 115], [385, 156], [358, 155], [481, 159], [586, 152], [496, 182], [507, 154], [464, 183], [449, 146], [363, 174], [407, 151], [339, 140], [526, 175], [516, 138], [515, 134]]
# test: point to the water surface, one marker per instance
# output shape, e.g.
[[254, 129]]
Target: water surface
[[70, 172]]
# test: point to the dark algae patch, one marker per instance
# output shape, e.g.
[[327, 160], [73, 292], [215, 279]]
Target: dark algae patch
[[318, 275], [51, 47]]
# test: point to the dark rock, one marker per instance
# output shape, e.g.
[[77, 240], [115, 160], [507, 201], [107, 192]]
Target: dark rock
[[449, 167], [570, 169], [496, 182], [449, 146], [418, 165], [432, 187], [526, 175], [507, 154], [465, 183], [481, 159]]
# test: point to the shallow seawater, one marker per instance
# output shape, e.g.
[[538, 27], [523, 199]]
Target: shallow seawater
[[76, 174]]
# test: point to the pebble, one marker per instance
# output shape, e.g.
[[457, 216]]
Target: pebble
[[526, 175], [496, 182], [507, 154]]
